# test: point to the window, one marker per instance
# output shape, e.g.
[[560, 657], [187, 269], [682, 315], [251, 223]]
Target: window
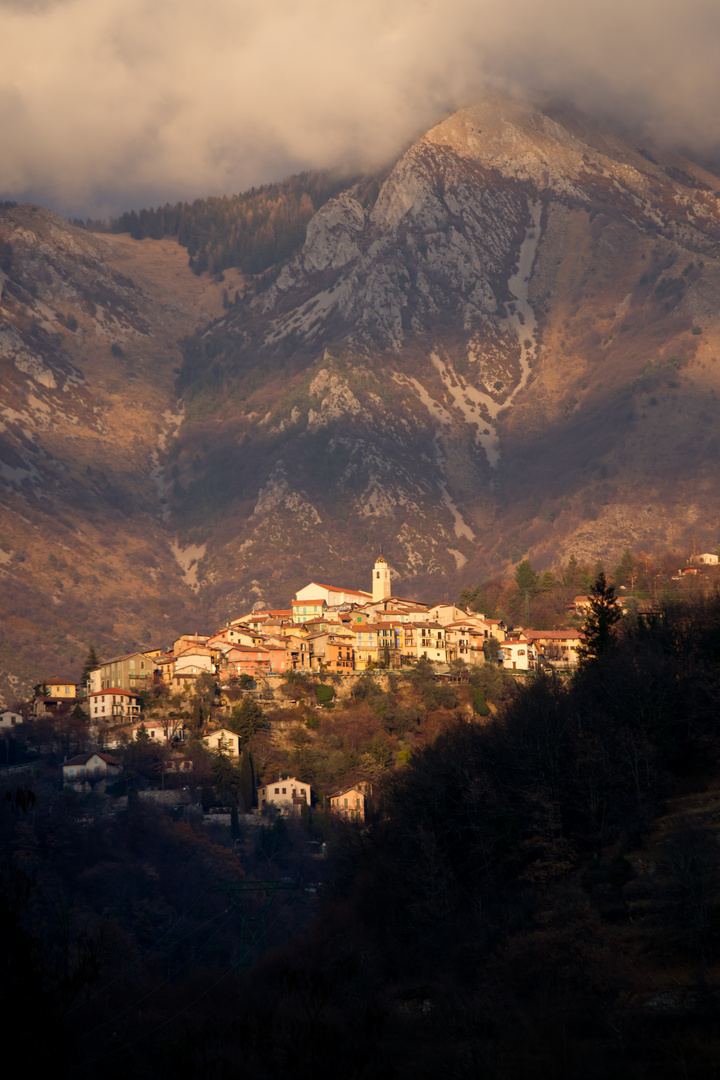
[[277, 790], [284, 791]]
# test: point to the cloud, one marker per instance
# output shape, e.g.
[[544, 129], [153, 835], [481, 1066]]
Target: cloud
[[107, 104]]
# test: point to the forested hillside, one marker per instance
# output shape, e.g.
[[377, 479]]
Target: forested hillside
[[541, 898], [251, 231]]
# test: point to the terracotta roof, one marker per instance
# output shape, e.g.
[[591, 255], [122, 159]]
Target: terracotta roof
[[82, 759]]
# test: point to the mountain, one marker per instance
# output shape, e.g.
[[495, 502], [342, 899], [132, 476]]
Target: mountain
[[504, 347], [510, 351]]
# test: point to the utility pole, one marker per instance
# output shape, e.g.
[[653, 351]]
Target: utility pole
[[252, 923]]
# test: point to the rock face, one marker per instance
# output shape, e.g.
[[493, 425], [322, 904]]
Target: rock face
[[507, 348]]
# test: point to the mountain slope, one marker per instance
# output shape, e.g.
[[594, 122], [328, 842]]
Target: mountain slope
[[507, 347], [505, 354], [89, 358]]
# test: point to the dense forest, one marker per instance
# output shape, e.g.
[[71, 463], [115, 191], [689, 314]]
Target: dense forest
[[538, 895], [252, 231]]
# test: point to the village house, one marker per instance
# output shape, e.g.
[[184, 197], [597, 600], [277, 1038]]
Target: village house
[[308, 608], [259, 620], [426, 641], [223, 741], [517, 653], [445, 614], [349, 802], [332, 597], [62, 689], [466, 642], [132, 671], [92, 770], [113, 704], [157, 732], [288, 796], [60, 695], [365, 646], [299, 652], [193, 657], [389, 644], [558, 647], [8, 719], [398, 606], [332, 651], [706, 559], [164, 666], [249, 660]]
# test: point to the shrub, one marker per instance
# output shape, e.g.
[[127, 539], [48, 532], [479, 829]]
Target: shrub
[[324, 694]]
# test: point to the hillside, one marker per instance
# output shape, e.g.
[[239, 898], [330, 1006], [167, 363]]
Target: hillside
[[89, 354], [505, 347], [538, 896]]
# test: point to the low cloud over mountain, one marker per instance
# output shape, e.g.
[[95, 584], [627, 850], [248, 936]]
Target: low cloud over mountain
[[109, 105]]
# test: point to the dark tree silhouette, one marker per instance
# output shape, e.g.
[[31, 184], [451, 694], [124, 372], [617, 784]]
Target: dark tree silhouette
[[601, 620]]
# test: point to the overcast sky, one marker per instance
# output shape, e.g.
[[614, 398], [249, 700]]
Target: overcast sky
[[112, 104]]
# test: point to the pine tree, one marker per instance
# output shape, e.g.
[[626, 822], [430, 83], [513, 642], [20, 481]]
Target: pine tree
[[247, 719], [603, 616], [626, 570], [91, 663], [526, 578]]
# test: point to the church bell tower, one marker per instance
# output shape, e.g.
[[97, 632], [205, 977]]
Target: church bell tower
[[381, 579]]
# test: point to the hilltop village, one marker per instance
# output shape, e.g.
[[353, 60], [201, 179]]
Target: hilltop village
[[329, 636], [328, 630], [327, 648]]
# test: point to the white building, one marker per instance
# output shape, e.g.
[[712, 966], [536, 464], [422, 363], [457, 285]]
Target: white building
[[9, 719], [223, 741], [113, 704], [289, 796], [333, 596]]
